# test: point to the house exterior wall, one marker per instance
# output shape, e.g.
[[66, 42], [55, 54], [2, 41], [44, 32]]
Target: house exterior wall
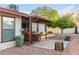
[[18, 26], [4, 45], [7, 45]]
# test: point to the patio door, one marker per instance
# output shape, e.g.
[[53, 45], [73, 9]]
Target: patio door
[[8, 31], [25, 25]]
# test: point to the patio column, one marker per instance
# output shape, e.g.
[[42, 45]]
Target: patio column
[[30, 30], [45, 31]]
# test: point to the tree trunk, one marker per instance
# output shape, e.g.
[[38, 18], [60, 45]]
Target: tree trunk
[[61, 31], [76, 32]]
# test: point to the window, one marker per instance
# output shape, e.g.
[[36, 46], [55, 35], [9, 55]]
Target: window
[[42, 28], [34, 27], [8, 29]]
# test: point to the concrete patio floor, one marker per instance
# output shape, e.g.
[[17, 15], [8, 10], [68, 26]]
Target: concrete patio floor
[[49, 44]]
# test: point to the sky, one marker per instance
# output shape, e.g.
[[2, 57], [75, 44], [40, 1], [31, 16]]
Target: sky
[[61, 8]]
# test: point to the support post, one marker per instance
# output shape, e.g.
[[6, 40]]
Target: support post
[[30, 30]]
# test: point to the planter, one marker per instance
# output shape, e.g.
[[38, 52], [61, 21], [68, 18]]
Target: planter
[[59, 46], [19, 40]]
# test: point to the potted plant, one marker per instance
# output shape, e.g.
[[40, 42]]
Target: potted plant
[[59, 46], [19, 40]]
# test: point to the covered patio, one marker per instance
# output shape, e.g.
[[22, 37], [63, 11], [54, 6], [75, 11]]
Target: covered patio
[[33, 25]]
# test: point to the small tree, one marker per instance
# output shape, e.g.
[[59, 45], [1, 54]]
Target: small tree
[[52, 24], [64, 23], [43, 11]]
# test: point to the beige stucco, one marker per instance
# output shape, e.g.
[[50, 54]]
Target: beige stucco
[[65, 31], [18, 26], [69, 30], [7, 45], [18, 20], [0, 28]]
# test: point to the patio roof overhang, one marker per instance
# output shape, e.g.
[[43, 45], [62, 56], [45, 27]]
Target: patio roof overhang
[[38, 18], [10, 11]]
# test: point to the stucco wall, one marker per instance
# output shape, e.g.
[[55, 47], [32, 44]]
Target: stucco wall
[[68, 30], [7, 45], [78, 30], [18, 26], [56, 30]]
